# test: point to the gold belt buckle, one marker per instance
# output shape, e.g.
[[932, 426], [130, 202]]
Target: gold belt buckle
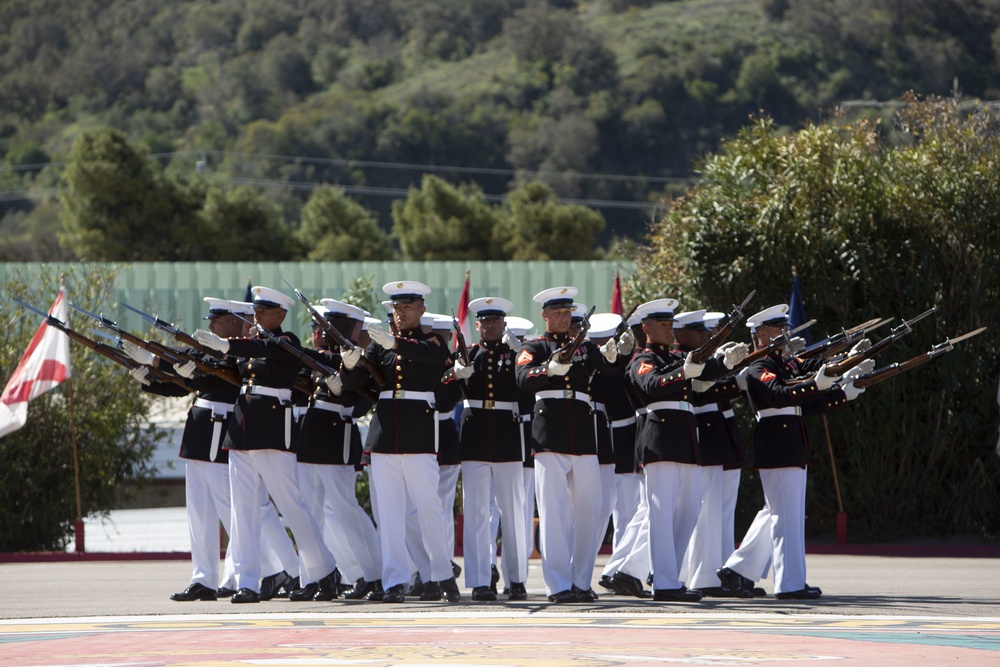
[[489, 404], [569, 393], [399, 393]]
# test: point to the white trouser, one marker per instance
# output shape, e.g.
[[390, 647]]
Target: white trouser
[[483, 482], [674, 497], [730, 492], [631, 556], [608, 498], [528, 475], [206, 496], [277, 549], [628, 495], [276, 471], [348, 528], [568, 509], [398, 478], [707, 551], [778, 532], [447, 488], [494, 521], [311, 488]]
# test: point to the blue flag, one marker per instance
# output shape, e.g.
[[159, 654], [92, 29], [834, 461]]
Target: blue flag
[[248, 296], [796, 309]]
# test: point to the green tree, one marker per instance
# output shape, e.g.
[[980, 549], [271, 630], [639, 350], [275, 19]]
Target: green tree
[[113, 440], [537, 226], [118, 204], [245, 226], [874, 229], [337, 228], [443, 221]]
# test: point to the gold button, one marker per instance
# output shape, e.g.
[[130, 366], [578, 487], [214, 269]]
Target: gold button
[[490, 385], [398, 367], [399, 386]]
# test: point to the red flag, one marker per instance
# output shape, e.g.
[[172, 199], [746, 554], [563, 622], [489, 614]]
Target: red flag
[[462, 315], [44, 365], [616, 297]]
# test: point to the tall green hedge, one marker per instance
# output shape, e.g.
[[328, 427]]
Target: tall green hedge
[[874, 229]]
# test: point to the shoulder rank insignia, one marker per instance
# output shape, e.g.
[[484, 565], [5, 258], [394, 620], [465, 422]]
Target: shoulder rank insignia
[[645, 367], [767, 376], [525, 357]]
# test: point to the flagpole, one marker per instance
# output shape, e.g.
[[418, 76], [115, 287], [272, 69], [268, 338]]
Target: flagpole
[[78, 524]]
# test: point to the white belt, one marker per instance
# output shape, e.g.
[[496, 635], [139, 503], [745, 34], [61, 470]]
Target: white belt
[[641, 411], [524, 419], [562, 393], [490, 405], [342, 410], [708, 407], [220, 411], [728, 414], [299, 410], [779, 412], [444, 416], [259, 390], [619, 423], [600, 408], [407, 395], [346, 413], [684, 406]]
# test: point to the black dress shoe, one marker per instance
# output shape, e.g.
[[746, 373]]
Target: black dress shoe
[[494, 578], [432, 592], [456, 569], [517, 592], [584, 595], [807, 593], [195, 592], [675, 595], [563, 597], [483, 594], [736, 582], [244, 596], [286, 589], [395, 594], [417, 589], [759, 592], [377, 593], [605, 582], [359, 590], [225, 592], [328, 587], [714, 592], [270, 584], [626, 584], [304, 594], [450, 591]]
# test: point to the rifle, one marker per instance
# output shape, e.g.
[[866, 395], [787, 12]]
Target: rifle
[[565, 353], [892, 370], [230, 375], [841, 367], [712, 344], [777, 342], [181, 337], [107, 351], [623, 325], [837, 343], [463, 349], [330, 331]]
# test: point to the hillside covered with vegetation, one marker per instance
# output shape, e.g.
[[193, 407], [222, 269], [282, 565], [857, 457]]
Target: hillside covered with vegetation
[[251, 104]]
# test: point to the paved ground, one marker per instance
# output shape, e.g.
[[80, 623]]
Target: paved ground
[[875, 610]]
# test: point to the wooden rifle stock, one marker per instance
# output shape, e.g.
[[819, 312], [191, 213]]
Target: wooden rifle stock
[[179, 336], [565, 355], [700, 355], [463, 349], [892, 370]]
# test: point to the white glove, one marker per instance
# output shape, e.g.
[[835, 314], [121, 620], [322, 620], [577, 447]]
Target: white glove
[[691, 369], [351, 357], [824, 381], [701, 386], [138, 354], [140, 373], [851, 391], [185, 370], [732, 354], [334, 384], [865, 367], [511, 341], [210, 340], [380, 337], [462, 372], [555, 367], [795, 345], [610, 350], [860, 346], [741, 379], [626, 343]]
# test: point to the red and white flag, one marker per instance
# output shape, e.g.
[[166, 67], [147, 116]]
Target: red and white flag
[[44, 365], [462, 315], [616, 296]]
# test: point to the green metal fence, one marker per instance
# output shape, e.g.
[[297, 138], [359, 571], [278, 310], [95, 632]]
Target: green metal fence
[[174, 290]]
